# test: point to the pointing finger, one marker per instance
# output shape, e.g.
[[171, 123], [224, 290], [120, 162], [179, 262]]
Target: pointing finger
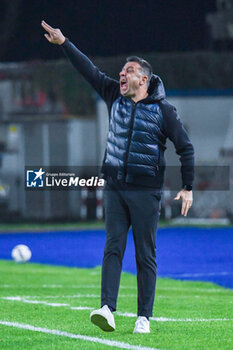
[[183, 206], [188, 206], [186, 209], [47, 27]]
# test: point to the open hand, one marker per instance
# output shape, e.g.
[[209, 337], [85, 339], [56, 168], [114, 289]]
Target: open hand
[[187, 200], [54, 36]]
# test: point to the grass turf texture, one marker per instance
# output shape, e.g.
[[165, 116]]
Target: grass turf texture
[[81, 287]]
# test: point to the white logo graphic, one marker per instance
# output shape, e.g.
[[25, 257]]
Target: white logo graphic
[[35, 178]]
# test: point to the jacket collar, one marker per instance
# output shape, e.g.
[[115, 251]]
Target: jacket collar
[[156, 89]]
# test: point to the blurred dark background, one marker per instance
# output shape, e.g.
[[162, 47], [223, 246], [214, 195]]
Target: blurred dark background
[[105, 28]]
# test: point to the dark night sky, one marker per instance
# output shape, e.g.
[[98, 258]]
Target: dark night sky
[[110, 27]]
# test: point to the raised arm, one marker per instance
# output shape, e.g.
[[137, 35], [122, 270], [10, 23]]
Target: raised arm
[[106, 87]]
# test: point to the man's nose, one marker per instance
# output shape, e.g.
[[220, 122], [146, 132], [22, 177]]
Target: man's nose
[[122, 73]]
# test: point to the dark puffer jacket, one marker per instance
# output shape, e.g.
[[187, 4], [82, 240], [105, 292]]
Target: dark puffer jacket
[[135, 141], [137, 131]]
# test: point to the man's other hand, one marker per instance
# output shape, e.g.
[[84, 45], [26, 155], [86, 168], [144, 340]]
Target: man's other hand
[[54, 36], [187, 200]]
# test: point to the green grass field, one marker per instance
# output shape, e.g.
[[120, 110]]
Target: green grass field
[[90, 225], [54, 303]]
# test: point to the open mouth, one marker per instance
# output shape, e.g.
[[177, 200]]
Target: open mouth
[[123, 84]]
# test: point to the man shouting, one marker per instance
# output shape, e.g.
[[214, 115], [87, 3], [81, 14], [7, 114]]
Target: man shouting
[[140, 121]]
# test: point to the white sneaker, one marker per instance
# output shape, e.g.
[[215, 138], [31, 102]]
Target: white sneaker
[[103, 318], [142, 325]]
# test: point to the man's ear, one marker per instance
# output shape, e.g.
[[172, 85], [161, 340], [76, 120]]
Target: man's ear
[[143, 80]]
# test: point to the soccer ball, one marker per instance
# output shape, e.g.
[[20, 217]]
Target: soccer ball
[[21, 253]]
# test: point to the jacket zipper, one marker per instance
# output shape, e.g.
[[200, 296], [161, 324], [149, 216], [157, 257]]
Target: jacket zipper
[[129, 139], [157, 166]]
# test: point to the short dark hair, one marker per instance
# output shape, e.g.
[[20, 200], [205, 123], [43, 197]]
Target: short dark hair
[[146, 67]]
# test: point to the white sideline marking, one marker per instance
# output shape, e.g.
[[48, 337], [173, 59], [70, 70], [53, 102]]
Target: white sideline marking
[[187, 289], [24, 300], [123, 314], [77, 296], [69, 296], [83, 286], [107, 342], [199, 274], [28, 301], [52, 286], [81, 308], [165, 319], [33, 286], [194, 289]]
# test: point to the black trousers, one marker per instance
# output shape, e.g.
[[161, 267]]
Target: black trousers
[[138, 207]]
